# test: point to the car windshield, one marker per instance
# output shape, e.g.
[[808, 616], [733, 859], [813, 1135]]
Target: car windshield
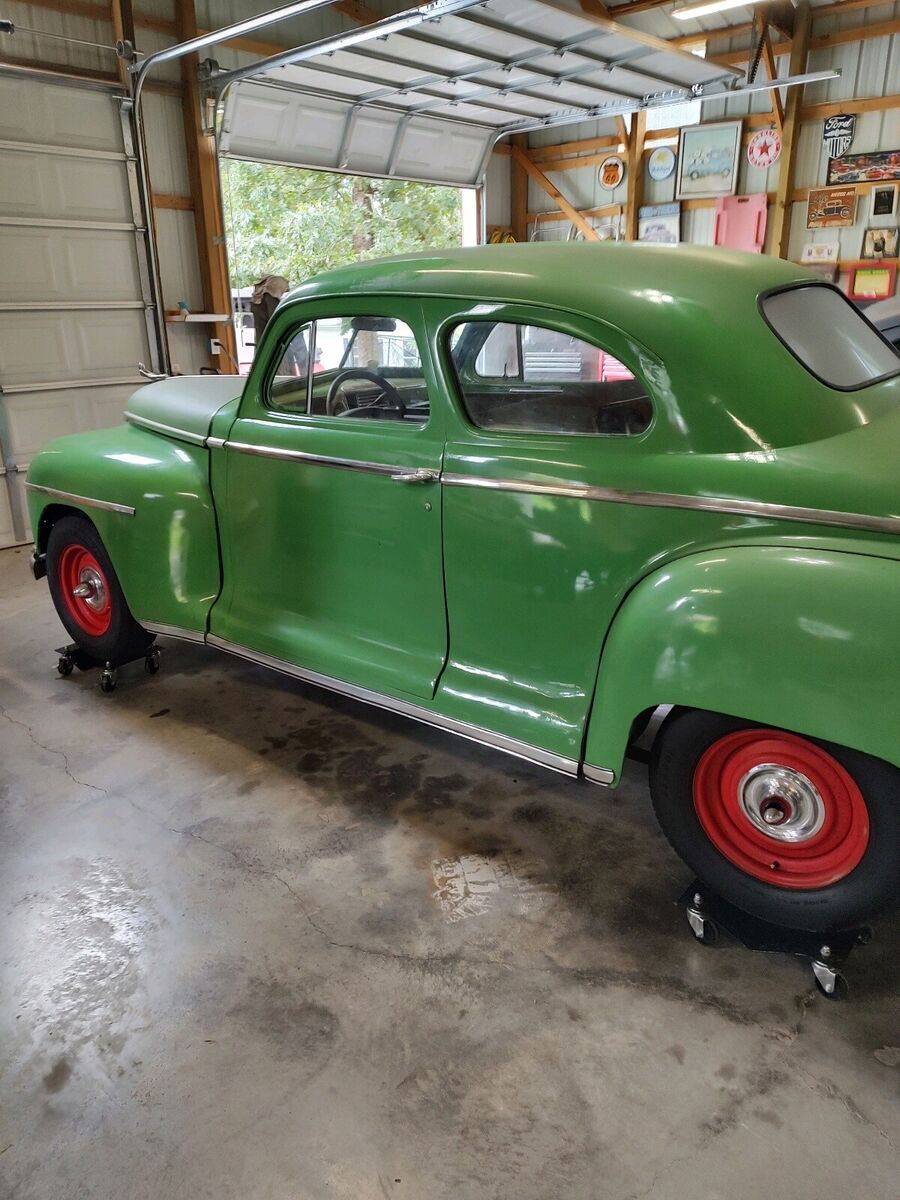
[[832, 340]]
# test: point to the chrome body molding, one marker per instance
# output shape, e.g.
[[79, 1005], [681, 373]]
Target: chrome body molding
[[214, 443], [473, 733], [319, 460], [84, 501], [184, 435], [601, 775], [173, 631], [717, 504]]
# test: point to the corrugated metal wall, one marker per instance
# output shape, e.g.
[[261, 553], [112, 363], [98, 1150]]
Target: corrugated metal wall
[[869, 69]]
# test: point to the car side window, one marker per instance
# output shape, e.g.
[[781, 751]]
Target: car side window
[[289, 386], [526, 378], [367, 368]]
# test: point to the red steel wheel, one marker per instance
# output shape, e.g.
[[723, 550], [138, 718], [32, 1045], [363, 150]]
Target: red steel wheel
[[84, 589], [780, 808]]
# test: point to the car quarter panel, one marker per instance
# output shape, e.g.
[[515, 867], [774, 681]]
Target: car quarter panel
[[802, 638], [165, 554]]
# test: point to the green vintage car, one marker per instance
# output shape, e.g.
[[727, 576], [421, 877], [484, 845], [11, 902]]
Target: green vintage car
[[532, 494]]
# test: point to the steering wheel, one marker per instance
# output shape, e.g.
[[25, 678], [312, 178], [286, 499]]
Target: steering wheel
[[336, 405]]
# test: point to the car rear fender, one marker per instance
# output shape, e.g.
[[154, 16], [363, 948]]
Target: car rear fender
[[149, 498], [807, 640]]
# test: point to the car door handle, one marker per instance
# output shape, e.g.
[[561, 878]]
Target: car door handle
[[421, 475]]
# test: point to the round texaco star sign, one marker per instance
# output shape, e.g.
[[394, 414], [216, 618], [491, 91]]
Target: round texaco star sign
[[764, 148]]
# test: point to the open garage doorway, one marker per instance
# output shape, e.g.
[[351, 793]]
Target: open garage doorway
[[293, 223]]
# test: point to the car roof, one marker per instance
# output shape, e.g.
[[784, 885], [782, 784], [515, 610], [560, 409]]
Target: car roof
[[573, 275]]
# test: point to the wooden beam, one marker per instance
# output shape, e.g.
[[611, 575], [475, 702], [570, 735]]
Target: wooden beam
[[606, 210], [555, 194], [168, 200], [594, 7], [203, 170], [518, 191], [635, 177], [815, 112], [623, 132], [123, 31], [780, 223], [769, 60]]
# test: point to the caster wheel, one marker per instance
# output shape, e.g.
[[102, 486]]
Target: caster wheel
[[108, 682], [708, 935], [65, 666], [151, 663], [830, 983]]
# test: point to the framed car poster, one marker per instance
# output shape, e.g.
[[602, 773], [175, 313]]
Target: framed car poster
[[831, 208], [880, 242], [878, 167], [708, 160], [660, 223]]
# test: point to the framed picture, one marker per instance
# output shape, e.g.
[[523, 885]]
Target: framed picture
[[660, 223], [880, 242], [830, 208], [708, 160], [872, 281], [877, 167], [883, 201], [820, 253]]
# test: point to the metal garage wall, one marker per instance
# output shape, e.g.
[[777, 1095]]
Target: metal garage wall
[[73, 322]]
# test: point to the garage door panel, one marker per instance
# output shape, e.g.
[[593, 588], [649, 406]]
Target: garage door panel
[[33, 111], [49, 187], [37, 417], [53, 265], [45, 347], [7, 533]]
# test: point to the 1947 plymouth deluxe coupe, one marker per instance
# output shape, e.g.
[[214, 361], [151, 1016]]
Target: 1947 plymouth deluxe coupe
[[530, 494]]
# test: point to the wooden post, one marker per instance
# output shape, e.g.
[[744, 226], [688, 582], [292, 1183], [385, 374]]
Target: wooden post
[[122, 19], [203, 171], [781, 215], [635, 176], [553, 191], [518, 191]]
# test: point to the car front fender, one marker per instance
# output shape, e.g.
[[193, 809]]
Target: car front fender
[[150, 501], [807, 640]]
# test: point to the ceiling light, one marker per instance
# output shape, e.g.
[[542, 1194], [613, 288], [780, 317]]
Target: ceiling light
[[706, 7]]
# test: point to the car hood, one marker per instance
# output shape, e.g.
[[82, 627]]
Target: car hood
[[184, 406]]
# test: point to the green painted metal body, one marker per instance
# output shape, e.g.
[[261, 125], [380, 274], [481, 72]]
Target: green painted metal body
[[554, 620]]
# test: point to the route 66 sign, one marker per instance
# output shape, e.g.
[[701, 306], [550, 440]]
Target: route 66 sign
[[611, 172], [764, 148]]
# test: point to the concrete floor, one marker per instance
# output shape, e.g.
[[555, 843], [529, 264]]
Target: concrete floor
[[261, 942]]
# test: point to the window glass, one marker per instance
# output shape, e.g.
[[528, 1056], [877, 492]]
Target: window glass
[[289, 385], [369, 368], [526, 377], [823, 330]]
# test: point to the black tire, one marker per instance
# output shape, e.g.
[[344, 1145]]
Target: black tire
[[124, 638], [869, 887]]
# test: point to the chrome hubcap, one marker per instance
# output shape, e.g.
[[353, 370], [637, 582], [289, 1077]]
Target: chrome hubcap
[[781, 803], [90, 589]]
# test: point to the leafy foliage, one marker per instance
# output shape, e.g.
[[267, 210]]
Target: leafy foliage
[[292, 222]]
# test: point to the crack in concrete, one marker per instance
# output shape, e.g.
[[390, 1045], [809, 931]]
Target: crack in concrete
[[830, 1091], [52, 750]]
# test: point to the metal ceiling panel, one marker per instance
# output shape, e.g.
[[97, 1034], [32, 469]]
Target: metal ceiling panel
[[427, 102]]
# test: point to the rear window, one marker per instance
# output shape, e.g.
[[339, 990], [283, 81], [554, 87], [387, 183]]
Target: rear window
[[825, 333]]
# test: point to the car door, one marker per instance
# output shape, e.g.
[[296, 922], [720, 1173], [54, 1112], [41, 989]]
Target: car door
[[546, 411], [327, 493]]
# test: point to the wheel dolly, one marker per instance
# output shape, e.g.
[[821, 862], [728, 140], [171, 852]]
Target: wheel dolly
[[73, 656], [826, 953]]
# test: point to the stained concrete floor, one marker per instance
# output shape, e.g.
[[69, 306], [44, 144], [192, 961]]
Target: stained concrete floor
[[238, 961]]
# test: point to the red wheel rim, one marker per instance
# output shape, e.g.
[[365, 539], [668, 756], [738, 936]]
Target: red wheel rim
[[84, 589], [781, 808]]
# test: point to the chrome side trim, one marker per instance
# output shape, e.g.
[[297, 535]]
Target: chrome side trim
[[85, 501], [318, 460], [601, 775], [184, 435], [473, 733], [718, 504], [214, 443], [172, 631]]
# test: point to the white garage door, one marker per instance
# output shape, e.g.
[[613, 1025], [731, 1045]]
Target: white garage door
[[73, 319]]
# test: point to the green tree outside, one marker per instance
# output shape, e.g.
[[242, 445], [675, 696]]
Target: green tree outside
[[292, 222]]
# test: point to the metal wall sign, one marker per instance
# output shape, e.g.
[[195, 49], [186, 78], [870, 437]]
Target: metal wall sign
[[837, 134], [611, 172]]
